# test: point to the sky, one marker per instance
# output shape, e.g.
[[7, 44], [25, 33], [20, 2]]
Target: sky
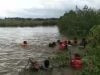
[[42, 8]]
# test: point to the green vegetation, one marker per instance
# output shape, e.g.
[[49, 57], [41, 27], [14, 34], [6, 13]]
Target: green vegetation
[[79, 22], [92, 66], [60, 59], [91, 57], [84, 23], [94, 36], [27, 22]]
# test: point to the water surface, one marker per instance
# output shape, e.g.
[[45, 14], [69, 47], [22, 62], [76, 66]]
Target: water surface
[[13, 57]]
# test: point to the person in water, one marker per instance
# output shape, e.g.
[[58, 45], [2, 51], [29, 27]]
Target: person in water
[[69, 42], [34, 65], [58, 41], [24, 44], [76, 62], [61, 46], [83, 42], [46, 63], [75, 41], [53, 44], [66, 44]]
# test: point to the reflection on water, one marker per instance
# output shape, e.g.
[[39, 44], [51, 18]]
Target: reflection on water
[[13, 57]]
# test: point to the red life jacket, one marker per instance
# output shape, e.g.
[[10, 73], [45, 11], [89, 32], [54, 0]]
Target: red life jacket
[[76, 63], [62, 46], [66, 44]]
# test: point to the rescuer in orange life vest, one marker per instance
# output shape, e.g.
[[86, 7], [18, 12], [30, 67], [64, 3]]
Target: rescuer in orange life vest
[[76, 62]]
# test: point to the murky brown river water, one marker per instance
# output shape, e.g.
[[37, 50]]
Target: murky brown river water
[[13, 57]]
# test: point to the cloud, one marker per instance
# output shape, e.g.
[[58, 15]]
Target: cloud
[[42, 8], [37, 13]]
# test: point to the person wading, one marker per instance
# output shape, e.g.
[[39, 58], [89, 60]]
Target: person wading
[[76, 62], [24, 44]]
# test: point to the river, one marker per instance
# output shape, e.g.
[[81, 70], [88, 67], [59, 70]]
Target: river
[[13, 57]]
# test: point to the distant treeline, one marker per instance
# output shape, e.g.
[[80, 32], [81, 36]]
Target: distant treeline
[[78, 22], [24, 22]]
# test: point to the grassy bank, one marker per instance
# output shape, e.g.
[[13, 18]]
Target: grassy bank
[[22, 22], [92, 60], [92, 57]]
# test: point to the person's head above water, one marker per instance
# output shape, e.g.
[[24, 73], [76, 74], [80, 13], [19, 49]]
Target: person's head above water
[[24, 42], [58, 41], [75, 38], [77, 56]]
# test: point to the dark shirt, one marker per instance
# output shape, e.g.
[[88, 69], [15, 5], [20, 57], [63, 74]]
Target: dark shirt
[[46, 63]]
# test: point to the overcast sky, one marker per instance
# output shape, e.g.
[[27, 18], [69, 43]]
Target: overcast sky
[[41, 8]]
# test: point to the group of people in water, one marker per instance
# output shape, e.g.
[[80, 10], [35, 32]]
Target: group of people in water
[[64, 44], [75, 62], [35, 64]]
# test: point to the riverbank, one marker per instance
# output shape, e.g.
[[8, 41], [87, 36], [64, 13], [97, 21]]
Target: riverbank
[[25, 22]]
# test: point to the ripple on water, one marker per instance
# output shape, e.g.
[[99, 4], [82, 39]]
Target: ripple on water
[[13, 57]]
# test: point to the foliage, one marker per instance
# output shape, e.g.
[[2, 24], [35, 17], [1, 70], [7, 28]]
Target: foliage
[[94, 35], [79, 22], [92, 60], [92, 57]]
